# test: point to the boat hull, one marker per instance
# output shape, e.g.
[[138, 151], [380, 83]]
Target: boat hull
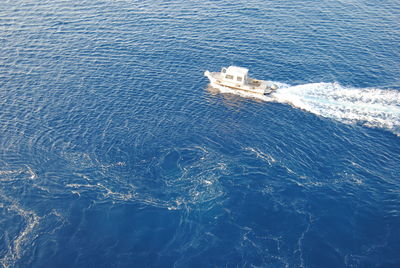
[[263, 89]]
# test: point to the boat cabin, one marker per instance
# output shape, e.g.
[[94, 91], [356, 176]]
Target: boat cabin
[[234, 74]]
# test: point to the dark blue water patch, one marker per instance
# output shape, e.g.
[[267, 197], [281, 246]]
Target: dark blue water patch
[[159, 224]]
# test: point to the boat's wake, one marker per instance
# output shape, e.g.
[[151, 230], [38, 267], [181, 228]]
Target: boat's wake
[[370, 107]]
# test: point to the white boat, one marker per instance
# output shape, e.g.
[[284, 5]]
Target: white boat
[[237, 78]]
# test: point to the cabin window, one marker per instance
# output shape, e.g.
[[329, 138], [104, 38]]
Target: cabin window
[[223, 70], [228, 76], [239, 79]]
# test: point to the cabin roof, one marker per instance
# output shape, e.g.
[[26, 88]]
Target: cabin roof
[[238, 71]]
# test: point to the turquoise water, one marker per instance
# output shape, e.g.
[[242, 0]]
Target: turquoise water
[[115, 152]]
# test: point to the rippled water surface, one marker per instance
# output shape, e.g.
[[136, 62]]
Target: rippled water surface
[[115, 152]]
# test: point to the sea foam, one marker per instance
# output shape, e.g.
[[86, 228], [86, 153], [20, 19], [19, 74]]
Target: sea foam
[[370, 107]]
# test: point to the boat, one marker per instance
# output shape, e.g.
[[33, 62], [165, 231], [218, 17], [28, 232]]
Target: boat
[[236, 78]]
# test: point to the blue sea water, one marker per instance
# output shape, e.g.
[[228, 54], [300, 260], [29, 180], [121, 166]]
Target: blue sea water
[[115, 152]]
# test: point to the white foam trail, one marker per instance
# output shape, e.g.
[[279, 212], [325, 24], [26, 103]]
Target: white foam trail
[[370, 107]]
